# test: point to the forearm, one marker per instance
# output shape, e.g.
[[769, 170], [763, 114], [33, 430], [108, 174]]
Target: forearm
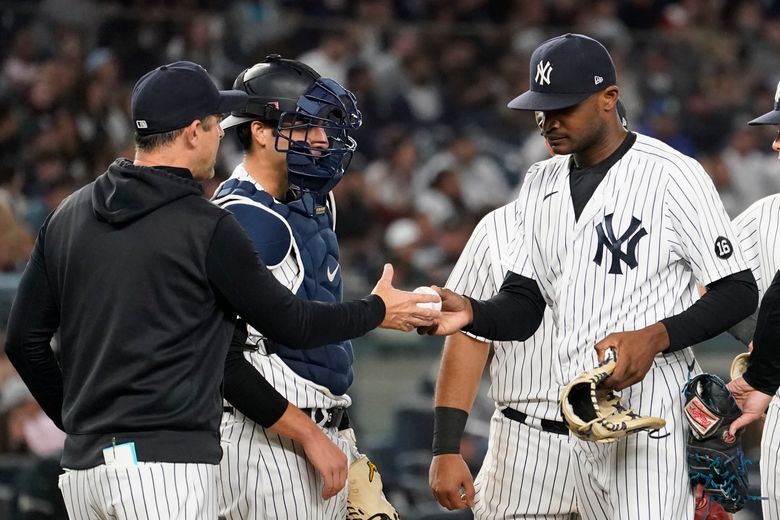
[[247, 389], [462, 363], [253, 292], [513, 314], [295, 424], [726, 302]]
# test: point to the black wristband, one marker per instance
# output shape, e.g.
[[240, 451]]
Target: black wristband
[[448, 426]]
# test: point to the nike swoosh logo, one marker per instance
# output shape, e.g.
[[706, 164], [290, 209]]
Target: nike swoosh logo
[[332, 275], [549, 195]]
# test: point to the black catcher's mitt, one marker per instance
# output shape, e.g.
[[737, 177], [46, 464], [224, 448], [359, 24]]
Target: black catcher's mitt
[[715, 458]]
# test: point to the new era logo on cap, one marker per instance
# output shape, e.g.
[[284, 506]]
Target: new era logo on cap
[[597, 80], [141, 124]]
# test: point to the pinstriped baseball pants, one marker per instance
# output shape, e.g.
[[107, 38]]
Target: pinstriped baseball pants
[[146, 491]]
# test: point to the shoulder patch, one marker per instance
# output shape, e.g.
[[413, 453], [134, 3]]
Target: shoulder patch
[[269, 232], [723, 247]]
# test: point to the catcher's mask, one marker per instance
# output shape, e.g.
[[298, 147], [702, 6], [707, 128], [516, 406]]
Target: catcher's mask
[[293, 96]]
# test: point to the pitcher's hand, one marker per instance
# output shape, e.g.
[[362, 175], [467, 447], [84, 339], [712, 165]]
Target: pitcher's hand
[[635, 351], [456, 313]]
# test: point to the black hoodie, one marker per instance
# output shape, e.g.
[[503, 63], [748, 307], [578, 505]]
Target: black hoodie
[[143, 277]]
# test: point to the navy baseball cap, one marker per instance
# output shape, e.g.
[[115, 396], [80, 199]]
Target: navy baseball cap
[[173, 96], [565, 70], [770, 118]]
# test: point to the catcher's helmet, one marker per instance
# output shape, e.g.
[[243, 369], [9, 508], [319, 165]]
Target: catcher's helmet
[[294, 97]]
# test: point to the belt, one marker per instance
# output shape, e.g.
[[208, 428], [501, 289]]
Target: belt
[[325, 417], [556, 427], [328, 417]]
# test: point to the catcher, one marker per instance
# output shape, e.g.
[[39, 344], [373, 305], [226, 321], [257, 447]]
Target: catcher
[[295, 133]]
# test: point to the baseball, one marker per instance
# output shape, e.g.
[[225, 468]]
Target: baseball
[[436, 306]]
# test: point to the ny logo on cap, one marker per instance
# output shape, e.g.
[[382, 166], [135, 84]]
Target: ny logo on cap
[[543, 70]]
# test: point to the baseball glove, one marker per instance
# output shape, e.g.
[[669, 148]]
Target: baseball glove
[[594, 413], [739, 365], [715, 458], [365, 500]]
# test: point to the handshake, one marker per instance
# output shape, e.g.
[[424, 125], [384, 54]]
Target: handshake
[[430, 310]]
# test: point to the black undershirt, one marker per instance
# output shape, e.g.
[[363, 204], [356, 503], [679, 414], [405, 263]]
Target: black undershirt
[[584, 181], [763, 373], [516, 311]]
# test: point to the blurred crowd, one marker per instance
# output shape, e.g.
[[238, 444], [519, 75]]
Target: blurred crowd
[[438, 148]]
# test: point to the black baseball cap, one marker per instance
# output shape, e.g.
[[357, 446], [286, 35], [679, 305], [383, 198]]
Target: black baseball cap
[[173, 96], [770, 118], [565, 70]]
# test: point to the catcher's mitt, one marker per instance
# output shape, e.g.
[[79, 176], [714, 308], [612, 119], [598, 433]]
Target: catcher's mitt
[[365, 499], [715, 458], [739, 365], [594, 413]]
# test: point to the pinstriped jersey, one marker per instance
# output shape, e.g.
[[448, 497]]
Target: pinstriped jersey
[[300, 391], [652, 230], [758, 228], [521, 373]]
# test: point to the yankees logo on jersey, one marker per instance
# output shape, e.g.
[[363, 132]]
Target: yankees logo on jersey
[[527, 470], [608, 241]]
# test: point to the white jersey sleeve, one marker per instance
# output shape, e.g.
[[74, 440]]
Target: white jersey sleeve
[[757, 229], [473, 272], [701, 231], [524, 375], [517, 258]]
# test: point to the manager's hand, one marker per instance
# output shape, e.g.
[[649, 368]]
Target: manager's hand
[[401, 309]]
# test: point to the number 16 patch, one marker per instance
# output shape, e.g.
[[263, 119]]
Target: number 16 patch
[[723, 247]]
